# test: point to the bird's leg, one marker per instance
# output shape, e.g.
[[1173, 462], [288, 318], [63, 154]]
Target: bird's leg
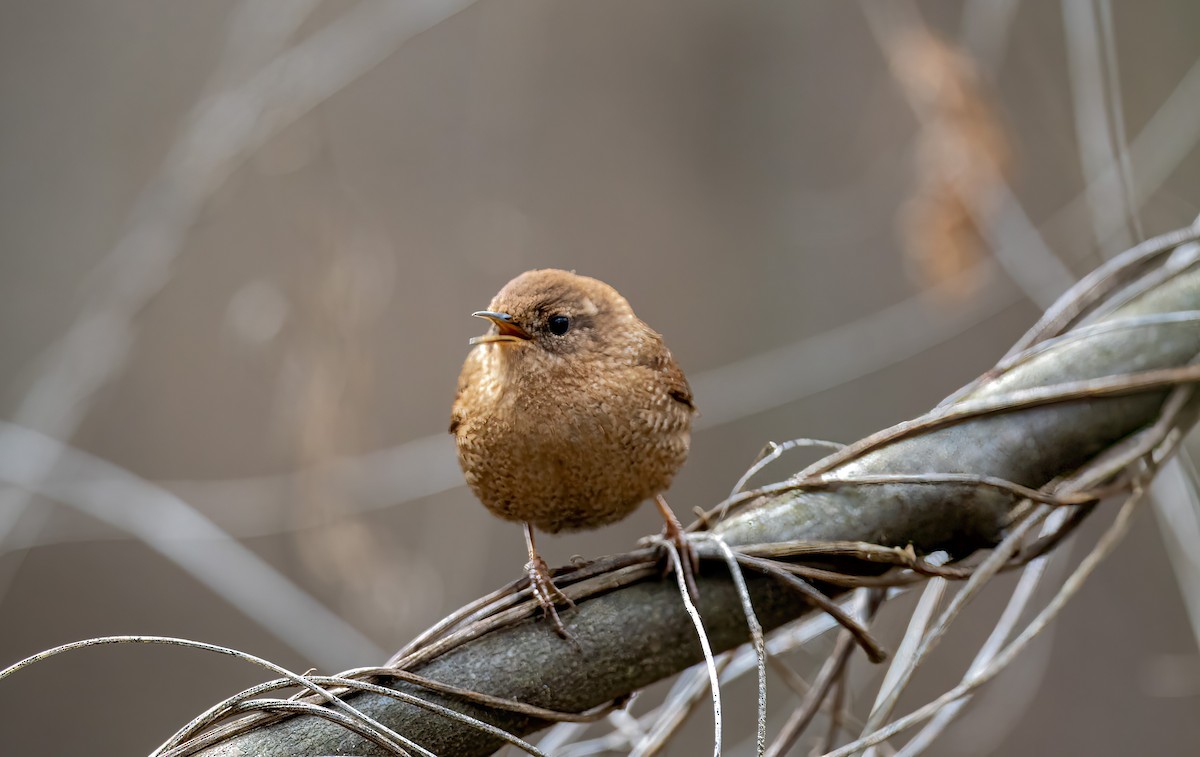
[[542, 585], [688, 559]]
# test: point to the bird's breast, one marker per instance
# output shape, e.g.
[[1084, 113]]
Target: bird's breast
[[566, 452]]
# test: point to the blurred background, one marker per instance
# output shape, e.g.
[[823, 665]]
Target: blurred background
[[240, 243]]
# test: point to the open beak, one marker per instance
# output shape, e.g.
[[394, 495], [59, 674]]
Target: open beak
[[508, 329]]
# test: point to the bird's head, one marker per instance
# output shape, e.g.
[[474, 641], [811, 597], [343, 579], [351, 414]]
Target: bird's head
[[562, 314]]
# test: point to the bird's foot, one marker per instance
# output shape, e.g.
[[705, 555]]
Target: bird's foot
[[689, 559], [547, 594]]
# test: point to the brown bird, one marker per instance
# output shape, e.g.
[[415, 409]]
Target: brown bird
[[570, 412]]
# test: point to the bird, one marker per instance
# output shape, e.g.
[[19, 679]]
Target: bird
[[570, 412]]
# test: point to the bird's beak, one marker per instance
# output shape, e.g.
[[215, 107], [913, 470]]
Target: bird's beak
[[509, 329]]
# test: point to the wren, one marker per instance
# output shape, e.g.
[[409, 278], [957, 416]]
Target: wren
[[570, 413]]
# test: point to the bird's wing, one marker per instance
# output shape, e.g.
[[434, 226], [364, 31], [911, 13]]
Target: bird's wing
[[658, 358], [677, 383]]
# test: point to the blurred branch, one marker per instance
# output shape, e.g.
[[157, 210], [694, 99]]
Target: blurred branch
[[1092, 53], [1014, 424], [986, 25], [95, 346], [253, 95], [963, 194], [259, 86], [1177, 509], [183, 536], [1163, 143], [1094, 129]]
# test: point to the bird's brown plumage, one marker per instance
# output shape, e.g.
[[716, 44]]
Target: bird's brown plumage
[[569, 431]]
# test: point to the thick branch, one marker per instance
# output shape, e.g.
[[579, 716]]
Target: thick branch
[[1027, 447], [640, 634]]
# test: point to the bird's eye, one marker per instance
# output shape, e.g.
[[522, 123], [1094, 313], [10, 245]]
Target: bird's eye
[[558, 324]]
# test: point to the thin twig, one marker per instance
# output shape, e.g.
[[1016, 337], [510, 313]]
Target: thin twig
[[906, 652], [808, 707], [183, 536], [873, 649], [964, 479], [381, 732], [1116, 113], [1090, 330], [772, 452], [683, 698], [485, 700], [990, 566], [830, 671], [756, 638], [1072, 585], [1022, 595], [694, 614], [837, 709], [338, 684], [349, 723], [1109, 386], [1095, 287]]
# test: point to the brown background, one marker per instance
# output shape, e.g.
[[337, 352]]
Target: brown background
[[735, 169]]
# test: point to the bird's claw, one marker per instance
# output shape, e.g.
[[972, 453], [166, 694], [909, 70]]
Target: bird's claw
[[689, 560], [547, 594]]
